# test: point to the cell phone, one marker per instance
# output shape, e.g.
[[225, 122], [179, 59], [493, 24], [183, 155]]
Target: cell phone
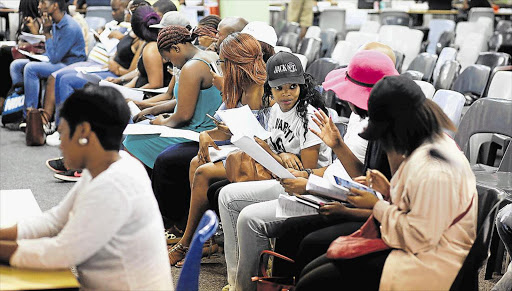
[[351, 184], [216, 69], [309, 200], [150, 116], [212, 118]]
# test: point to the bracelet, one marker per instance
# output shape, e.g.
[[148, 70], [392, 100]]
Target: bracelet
[[309, 171]]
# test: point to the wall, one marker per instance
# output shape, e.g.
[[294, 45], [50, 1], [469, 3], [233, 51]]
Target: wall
[[249, 9]]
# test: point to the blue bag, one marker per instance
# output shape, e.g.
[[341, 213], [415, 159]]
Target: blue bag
[[13, 105]]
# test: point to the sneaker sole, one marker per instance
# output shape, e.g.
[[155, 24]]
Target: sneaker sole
[[50, 167], [65, 178]]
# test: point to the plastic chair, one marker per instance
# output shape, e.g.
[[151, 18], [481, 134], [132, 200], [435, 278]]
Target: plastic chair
[[504, 26], [452, 103], [310, 47], [506, 45], [328, 39], [370, 26], [99, 11], [321, 67], [313, 31], [472, 82], [94, 22], [500, 85], [445, 40], [290, 40], [189, 278], [477, 12], [424, 63], [292, 27], [427, 88], [333, 17], [410, 45], [467, 278], [395, 18], [354, 18], [399, 60], [360, 38], [463, 29], [436, 28], [447, 54], [471, 48], [303, 60], [448, 73], [493, 59], [413, 75], [343, 52], [278, 48], [495, 42]]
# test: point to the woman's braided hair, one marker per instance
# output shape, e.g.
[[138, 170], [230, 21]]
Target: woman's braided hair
[[172, 35]]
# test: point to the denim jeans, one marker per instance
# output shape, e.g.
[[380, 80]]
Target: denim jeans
[[504, 227], [246, 232], [31, 72]]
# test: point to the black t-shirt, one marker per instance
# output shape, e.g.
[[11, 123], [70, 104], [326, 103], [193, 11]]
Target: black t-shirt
[[377, 159]]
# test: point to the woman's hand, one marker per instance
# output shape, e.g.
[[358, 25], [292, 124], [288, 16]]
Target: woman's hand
[[113, 80], [140, 116], [31, 23], [375, 180], [291, 161], [224, 128], [47, 22], [362, 199], [217, 80], [297, 186], [263, 144], [329, 133], [333, 209], [116, 34], [205, 141], [159, 120]]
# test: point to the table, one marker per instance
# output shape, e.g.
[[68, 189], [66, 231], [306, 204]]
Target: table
[[14, 205]]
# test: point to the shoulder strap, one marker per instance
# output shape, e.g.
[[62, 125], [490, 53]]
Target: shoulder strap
[[198, 59], [458, 218]]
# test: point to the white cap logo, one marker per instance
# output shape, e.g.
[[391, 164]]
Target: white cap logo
[[290, 67]]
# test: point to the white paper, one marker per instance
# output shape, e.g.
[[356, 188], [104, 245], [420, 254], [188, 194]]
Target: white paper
[[241, 121], [128, 93], [163, 131], [15, 205], [93, 69], [253, 149], [218, 155], [134, 109], [174, 132], [7, 43], [322, 187], [32, 38], [41, 58], [91, 78], [288, 206], [110, 44], [158, 91]]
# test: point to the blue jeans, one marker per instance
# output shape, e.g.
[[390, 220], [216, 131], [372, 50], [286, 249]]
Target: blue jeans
[[504, 227], [30, 73]]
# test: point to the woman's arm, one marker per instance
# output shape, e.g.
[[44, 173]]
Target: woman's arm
[[309, 156], [154, 65], [158, 99]]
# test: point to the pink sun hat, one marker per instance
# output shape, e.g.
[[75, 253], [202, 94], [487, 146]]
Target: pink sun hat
[[354, 83]]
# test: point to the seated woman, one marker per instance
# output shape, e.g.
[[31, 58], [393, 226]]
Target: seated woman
[[242, 63], [430, 221], [195, 95], [108, 225], [206, 31]]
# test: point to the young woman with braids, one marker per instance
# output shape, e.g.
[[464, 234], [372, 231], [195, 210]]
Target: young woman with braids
[[193, 91], [241, 61]]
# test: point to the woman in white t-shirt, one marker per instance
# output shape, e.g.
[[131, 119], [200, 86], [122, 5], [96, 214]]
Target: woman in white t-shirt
[[108, 225]]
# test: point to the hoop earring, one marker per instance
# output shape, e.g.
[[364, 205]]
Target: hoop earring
[[83, 141]]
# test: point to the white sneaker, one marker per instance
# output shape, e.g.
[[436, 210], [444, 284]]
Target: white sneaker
[[53, 139]]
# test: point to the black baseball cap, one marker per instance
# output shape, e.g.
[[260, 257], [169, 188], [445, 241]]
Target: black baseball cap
[[393, 99], [284, 68]]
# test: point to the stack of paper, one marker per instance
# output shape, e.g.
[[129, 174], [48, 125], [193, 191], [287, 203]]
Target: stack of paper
[[32, 38], [163, 131], [41, 58], [128, 93]]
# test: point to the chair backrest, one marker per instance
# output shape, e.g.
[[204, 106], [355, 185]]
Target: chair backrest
[[360, 38], [410, 45], [501, 85], [399, 56], [495, 42], [477, 12], [99, 11], [292, 27], [471, 48], [290, 40], [189, 278], [446, 39], [370, 26], [395, 18], [452, 103], [447, 75], [487, 24], [424, 63], [463, 30], [472, 80], [493, 59], [333, 17], [485, 115], [436, 28], [313, 31], [427, 88], [354, 18], [279, 48], [467, 278], [303, 60], [343, 52], [328, 39], [310, 47], [413, 75], [447, 54], [506, 161], [504, 26], [321, 67], [506, 45], [95, 22]]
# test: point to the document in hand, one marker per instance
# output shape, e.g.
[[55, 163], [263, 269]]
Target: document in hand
[[134, 109], [290, 206], [41, 58], [156, 91], [110, 44], [128, 93], [90, 77], [242, 122], [163, 131], [218, 155], [253, 149], [32, 38], [325, 186]]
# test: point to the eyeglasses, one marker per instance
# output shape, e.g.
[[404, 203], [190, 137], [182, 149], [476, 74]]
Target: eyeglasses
[[219, 61]]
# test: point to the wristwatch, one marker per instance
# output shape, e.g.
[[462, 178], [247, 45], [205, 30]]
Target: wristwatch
[[309, 171]]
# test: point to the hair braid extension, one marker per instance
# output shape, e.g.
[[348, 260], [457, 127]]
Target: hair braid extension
[[172, 35]]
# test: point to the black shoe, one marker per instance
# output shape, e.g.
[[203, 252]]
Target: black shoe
[[56, 165], [69, 176]]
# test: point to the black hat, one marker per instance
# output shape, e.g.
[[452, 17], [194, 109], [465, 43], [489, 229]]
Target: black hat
[[391, 100], [284, 68]]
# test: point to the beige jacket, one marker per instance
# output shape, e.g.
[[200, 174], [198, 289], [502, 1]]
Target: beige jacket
[[427, 194]]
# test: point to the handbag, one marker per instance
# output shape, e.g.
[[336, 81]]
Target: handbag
[[267, 283], [38, 49], [366, 240], [34, 134], [13, 105], [240, 167]]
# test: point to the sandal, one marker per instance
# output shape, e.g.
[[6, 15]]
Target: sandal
[[209, 248], [177, 253], [173, 235]]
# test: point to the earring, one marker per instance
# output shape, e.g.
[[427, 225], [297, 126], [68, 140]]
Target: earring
[[83, 141]]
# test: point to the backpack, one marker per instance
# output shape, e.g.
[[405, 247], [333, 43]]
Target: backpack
[[13, 105]]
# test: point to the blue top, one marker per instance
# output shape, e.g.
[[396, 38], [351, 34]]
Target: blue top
[[208, 101], [67, 43]]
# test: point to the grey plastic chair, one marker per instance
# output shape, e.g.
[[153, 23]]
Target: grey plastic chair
[[290, 40], [447, 54], [413, 75], [310, 47], [445, 40], [436, 29], [321, 67], [292, 27], [399, 60], [395, 18], [447, 74], [504, 26], [424, 63], [452, 103], [493, 59], [328, 38], [495, 42], [99, 11], [472, 82], [477, 12], [333, 17]]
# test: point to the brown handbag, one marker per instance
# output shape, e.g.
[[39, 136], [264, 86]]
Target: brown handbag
[[240, 167], [267, 283], [34, 134]]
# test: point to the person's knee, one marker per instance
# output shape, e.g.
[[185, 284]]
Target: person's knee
[[194, 163], [249, 220]]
